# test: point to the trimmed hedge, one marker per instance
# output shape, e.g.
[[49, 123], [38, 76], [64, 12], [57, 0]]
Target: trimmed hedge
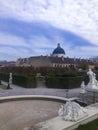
[[24, 81], [21, 80], [4, 77], [68, 80], [64, 82]]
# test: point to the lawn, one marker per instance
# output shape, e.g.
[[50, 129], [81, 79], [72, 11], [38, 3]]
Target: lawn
[[3, 86], [89, 126]]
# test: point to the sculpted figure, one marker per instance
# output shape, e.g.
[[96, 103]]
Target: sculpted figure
[[93, 83], [83, 87], [10, 78], [72, 111]]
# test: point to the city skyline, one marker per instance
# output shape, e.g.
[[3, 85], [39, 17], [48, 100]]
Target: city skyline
[[35, 27]]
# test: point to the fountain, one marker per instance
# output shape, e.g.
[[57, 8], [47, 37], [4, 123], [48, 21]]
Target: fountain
[[43, 112], [72, 111]]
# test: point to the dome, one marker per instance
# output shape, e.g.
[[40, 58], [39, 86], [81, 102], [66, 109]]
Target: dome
[[59, 50]]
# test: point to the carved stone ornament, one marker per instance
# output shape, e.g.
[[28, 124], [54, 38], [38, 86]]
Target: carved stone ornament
[[72, 111], [93, 83]]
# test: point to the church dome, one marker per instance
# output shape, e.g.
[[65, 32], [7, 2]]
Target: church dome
[[58, 51]]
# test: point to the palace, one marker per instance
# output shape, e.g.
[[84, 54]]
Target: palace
[[56, 59]]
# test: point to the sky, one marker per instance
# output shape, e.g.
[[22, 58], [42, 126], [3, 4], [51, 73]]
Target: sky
[[35, 27]]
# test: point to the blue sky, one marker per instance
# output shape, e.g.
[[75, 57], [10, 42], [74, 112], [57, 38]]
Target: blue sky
[[34, 27]]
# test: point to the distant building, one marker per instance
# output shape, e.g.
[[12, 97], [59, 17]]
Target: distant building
[[58, 52], [57, 59], [7, 63], [94, 60]]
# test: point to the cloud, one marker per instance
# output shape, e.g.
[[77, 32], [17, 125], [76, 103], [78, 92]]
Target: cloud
[[12, 40], [34, 27], [41, 46], [10, 53], [80, 17], [83, 52], [20, 39]]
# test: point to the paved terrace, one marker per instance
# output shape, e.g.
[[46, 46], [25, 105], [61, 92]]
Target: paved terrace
[[17, 90]]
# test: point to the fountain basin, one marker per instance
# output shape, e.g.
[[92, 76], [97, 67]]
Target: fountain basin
[[19, 112]]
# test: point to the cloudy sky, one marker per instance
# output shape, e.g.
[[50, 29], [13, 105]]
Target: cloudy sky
[[34, 27]]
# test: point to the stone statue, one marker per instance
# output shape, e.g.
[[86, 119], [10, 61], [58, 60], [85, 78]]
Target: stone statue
[[10, 81], [93, 83], [83, 87], [10, 78], [72, 111]]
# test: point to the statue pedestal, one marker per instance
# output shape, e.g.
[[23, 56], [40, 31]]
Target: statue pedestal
[[91, 86]]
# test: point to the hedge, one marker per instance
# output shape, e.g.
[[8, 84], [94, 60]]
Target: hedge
[[21, 80], [64, 82], [24, 81], [4, 77]]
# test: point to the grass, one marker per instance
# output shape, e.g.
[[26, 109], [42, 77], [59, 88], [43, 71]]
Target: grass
[[89, 126], [3, 86]]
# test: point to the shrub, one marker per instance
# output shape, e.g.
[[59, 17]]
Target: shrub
[[4, 76], [64, 82], [21, 80], [25, 81]]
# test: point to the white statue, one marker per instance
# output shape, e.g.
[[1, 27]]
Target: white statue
[[10, 78], [83, 90], [93, 83], [72, 111]]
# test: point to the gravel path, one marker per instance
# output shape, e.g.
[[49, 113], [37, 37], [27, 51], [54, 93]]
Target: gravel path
[[16, 90]]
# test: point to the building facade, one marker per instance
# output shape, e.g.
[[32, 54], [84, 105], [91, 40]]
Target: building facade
[[57, 59]]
